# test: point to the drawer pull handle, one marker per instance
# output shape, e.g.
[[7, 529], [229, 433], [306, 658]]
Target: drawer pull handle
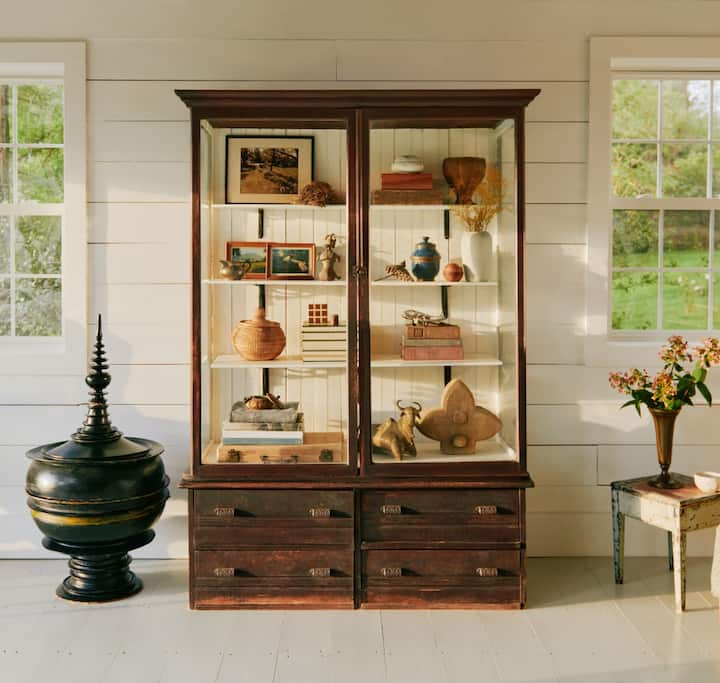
[[319, 512], [224, 511], [319, 572], [486, 571], [486, 509], [388, 572], [391, 509], [224, 571]]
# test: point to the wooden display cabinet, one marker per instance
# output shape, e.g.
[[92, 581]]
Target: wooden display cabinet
[[344, 524]]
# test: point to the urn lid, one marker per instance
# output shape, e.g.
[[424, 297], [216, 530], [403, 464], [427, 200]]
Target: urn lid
[[259, 321], [426, 249], [96, 439]]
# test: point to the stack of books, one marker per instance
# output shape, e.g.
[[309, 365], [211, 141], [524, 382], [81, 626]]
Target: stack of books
[[406, 181], [281, 427], [320, 343], [432, 342]]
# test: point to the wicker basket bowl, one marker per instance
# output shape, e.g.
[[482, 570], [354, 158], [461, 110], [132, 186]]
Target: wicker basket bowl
[[259, 338]]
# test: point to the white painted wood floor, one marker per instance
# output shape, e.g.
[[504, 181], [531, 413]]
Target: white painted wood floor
[[578, 627]]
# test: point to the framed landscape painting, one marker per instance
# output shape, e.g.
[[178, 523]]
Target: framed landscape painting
[[252, 254], [291, 261], [267, 169]]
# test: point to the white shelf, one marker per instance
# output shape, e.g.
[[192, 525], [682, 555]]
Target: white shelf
[[473, 359], [279, 207], [433, 283], [411, 207], [284, 283], [491, 450], [235, 361]]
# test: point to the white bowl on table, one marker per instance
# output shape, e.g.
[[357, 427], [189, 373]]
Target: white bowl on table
[[707, 482]]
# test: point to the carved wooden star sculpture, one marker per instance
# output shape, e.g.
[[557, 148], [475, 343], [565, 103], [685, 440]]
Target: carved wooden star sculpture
[[459, 424]]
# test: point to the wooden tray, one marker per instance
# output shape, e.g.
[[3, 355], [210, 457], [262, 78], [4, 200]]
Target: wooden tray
[[318, 447]]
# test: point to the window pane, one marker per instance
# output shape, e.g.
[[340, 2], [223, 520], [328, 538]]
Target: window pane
[[634, 301], [6, 127], [4, 245], [635, 109], [37, 307], [6, 175], [685, 301], [40, 113], [40, 175], [634, 170], [38, 246], [685, 109], [5, 328], [716, 170], [635, 239], [686, 239], [684, 170]]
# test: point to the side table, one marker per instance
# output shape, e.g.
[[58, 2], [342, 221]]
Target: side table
[[678, 511]]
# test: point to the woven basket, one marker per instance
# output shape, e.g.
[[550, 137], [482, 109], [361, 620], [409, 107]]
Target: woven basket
[[259, 338]]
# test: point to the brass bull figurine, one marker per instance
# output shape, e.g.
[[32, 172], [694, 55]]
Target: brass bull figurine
[[396, 436]]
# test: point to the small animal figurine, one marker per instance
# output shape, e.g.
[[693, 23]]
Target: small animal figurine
[[396, 436], [232, 270], [266, 402], [328, 258]]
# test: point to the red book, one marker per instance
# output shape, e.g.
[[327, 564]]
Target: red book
[[432, 353], [406, 181]]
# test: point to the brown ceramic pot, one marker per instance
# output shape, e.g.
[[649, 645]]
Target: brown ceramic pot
[[259, 338], [464, 174]]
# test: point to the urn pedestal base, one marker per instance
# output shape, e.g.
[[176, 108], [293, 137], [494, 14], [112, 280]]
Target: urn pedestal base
[[99, 572]]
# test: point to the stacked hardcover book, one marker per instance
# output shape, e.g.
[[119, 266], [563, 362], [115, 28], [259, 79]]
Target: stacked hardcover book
[[279, 427], [406, 181], [323, 342], [432, 342]]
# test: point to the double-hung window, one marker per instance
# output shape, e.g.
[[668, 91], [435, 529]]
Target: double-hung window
[[42, 208], [654, 194]]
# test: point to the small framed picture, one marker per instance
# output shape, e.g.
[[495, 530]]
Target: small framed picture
[[250, 255], [291, 261], [267, 169]]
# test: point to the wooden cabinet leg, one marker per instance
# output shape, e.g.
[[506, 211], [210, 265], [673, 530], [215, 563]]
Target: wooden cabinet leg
[[670, 551], [679, 544], [618, 537]]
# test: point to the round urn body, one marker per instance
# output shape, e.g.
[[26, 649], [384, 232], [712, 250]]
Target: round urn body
[[259, 338]]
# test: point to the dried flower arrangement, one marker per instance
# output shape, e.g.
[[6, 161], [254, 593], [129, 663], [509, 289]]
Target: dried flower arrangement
[[675, 385], [490, 194]]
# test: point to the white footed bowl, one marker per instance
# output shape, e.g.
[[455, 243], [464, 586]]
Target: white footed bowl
[[707, 481], [408, 163]]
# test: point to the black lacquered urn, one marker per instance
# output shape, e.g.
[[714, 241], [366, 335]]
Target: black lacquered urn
[[96, 497]]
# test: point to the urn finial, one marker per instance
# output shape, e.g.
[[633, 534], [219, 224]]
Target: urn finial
[[97, 427]]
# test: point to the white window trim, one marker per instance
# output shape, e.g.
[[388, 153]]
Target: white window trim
[[608, 55], [66, 355]]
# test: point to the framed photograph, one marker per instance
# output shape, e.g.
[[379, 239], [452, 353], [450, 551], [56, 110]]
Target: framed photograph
[[267, 169], [253, 254], [291, 261]]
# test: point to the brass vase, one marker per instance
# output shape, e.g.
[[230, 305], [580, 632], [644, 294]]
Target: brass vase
[[664, 428]]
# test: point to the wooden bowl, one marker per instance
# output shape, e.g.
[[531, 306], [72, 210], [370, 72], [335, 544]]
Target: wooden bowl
[[464, 174]]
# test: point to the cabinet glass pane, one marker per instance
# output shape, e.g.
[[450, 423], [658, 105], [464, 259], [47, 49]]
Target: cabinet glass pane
[[274, 304], [443, 279]]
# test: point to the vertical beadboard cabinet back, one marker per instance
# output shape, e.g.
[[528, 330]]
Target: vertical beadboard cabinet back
[[292, 502]]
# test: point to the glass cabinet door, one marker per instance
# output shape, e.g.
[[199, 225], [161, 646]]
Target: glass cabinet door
[[443, 274], [276, 328]]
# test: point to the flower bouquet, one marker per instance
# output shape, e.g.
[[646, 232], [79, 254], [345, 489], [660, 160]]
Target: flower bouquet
[[668, 391]]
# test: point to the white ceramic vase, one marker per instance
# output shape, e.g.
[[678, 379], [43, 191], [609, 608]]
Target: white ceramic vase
[[477, 255]]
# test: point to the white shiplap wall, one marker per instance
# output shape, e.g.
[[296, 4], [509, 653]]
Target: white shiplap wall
[[139, 212]]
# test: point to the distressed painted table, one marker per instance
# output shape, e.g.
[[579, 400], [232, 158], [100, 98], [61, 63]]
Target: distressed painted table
[[678, 511]]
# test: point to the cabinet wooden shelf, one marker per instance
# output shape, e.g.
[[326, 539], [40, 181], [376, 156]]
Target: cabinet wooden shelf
[[307, 512]]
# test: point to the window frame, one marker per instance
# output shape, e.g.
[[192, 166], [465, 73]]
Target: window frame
[[609, 58], [65, 355]]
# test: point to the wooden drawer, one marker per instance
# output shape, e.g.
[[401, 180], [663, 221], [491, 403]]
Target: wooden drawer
[[472, 516], [270, 578], [239, 518], [443, 578]]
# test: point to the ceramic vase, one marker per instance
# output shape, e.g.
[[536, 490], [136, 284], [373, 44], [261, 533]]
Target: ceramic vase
[[664, 427], [425, 260], [477, 255]]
